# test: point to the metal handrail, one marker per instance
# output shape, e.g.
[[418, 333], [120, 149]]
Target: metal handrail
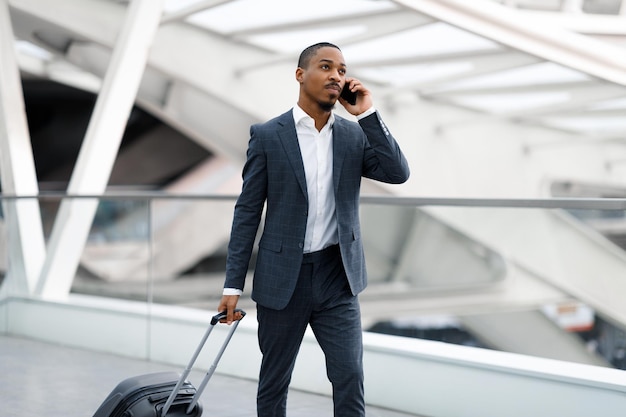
[[547, 203]]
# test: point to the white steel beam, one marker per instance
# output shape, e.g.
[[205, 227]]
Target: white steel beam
[[578, 98], [568, 87], [481, 65], [100, 22], [25, 241], [497, 22], [191, 9], [438, 58], [100, 146], [589, 24], [377, 25], [182, 106]]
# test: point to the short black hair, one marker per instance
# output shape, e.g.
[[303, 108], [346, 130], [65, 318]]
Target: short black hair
[[308, 52]]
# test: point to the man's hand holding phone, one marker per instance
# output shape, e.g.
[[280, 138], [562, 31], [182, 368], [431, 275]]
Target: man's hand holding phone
[[355, 97]]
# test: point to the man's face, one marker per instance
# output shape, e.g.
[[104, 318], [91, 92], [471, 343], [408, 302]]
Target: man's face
[[324, 77]]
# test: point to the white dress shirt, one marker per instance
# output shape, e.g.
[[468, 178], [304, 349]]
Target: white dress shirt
[[316, 149]]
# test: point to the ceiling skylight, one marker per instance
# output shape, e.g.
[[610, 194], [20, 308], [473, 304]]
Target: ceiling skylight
[[253, 14]]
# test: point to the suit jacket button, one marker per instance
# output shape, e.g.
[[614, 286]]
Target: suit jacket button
[[300, 245]]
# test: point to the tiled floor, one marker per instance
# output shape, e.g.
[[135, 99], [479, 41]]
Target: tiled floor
[[39, 379]]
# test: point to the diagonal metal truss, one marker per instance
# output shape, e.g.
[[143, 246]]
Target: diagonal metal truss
[[434, 42]]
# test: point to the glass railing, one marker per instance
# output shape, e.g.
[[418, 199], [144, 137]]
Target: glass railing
[[537, 277]]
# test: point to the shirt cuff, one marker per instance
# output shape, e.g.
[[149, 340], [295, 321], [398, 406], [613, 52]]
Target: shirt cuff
[[366, 113], [232, 291]]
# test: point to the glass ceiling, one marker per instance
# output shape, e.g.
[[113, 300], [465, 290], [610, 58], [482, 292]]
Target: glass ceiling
[[394, 45], [390, 45]]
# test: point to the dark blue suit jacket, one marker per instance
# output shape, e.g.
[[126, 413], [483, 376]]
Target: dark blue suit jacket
[[274, 175]]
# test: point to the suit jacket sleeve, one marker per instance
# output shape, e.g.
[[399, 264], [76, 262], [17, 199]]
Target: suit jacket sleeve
[[247, 216], [382, 160]]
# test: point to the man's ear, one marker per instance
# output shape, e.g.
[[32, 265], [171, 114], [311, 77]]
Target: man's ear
[[300, 75]]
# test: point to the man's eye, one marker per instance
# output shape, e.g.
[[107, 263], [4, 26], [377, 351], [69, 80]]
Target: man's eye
[[325, 66], [342, 71]]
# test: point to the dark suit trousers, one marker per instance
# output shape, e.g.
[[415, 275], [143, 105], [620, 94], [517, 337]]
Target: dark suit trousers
[[322, 299]]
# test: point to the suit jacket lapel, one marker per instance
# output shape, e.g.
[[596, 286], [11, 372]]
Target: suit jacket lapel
[[339, 149], [287, 134]]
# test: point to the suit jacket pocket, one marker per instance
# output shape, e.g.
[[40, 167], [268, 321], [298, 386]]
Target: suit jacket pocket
[[273, 245]]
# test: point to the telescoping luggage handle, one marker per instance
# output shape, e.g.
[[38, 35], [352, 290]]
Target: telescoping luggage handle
[[216, 319]]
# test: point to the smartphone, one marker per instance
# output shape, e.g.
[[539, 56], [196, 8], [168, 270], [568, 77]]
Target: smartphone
[[348, 95]]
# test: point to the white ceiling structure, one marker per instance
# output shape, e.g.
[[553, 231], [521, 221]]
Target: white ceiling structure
[[558, 64]]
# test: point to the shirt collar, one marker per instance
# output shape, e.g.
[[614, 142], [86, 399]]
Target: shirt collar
[[299, 115]]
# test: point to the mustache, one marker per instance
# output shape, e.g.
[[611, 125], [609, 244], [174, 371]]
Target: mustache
[[334, 85]]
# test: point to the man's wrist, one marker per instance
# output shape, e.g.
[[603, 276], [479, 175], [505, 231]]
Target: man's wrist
[[366, 113], [232, 291]]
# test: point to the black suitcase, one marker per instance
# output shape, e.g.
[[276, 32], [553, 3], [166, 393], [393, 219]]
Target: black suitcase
[[163, 393]]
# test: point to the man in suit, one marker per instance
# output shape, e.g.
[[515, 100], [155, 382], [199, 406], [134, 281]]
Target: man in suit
[[306, 166]]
